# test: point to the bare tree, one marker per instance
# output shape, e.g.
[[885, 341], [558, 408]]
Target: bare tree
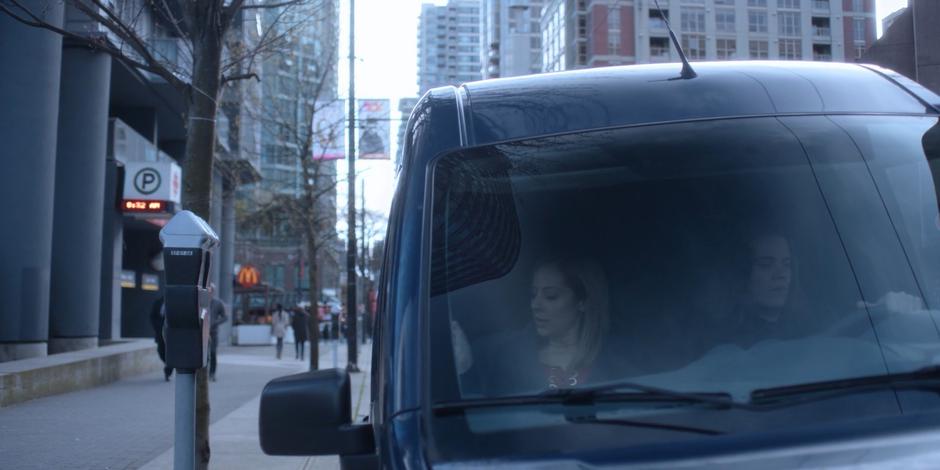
[[372, 225], [204, 27], [304, 210]]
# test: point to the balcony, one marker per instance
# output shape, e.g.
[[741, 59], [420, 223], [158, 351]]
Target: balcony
[[659, 54], [657, 24], [822, 32], [656, 21], [822, 52], [174, 54], [821, 5]]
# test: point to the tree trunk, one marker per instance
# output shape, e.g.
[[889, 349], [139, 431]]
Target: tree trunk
[[197, 174], [313, 270]]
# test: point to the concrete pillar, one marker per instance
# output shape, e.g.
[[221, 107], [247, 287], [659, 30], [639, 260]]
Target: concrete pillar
[[79, 200], [227, 262], [31, 61], [112, 257]]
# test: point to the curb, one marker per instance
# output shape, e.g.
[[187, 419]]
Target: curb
[[32, 378]]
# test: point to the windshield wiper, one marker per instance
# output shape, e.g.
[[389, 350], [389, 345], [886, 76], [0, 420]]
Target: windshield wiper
[[615, 391], [927, 378], [643, 424], [609, 392], [578, 403]]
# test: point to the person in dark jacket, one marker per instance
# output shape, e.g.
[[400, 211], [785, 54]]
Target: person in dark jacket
[[157, 314], [217, 317], [299, 321]]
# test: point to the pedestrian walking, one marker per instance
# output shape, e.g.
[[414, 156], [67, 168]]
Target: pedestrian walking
[[217, 317], [299, 323], [327, 322], [157, 315], [280, 320]]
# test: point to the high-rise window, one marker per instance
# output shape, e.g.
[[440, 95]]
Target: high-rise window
[[693, 20], [724, 21], [694, 46], [792, 4], [859, 51], [857, 5], [788, 23], [726, 48], [791, 49], [858, 25], [756, 3], [822, 52], [659, 49], [724, 2], [757, 21], [613, 30], [757, 49], [656, 19]]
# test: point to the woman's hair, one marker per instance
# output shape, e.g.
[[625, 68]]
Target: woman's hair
[[586, 279]]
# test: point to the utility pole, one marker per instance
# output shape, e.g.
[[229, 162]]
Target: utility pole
[[363, 256], [351, 343]]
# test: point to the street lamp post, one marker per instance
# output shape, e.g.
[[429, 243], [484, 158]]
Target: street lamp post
[[351, 343]]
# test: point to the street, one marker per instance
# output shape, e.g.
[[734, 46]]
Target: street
[[129, 424]]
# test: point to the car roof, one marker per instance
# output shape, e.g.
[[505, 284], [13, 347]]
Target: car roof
[[516, 108]]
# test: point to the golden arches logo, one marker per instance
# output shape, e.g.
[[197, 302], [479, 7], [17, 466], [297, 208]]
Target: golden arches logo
[[248, 276]]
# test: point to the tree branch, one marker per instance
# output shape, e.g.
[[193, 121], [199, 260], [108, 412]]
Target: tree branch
[[243, 76], [272, 5]]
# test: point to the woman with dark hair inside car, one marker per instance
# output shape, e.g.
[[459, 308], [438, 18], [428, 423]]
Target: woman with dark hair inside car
[[564, 344], [770, 304]]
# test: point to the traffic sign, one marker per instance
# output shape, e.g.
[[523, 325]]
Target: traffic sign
[[147, 180]]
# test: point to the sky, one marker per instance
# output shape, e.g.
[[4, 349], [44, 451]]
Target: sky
[[386, 48]]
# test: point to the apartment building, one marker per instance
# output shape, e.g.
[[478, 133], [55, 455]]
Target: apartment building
[[449, 44], [615, 32]]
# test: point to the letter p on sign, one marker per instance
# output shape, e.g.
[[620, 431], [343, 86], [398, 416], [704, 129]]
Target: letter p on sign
[[147, 181]]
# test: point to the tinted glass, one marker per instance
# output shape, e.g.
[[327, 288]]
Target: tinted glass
[[719, 256]]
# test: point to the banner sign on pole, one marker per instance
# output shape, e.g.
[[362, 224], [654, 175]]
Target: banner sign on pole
[[373, 129], [329, 124]]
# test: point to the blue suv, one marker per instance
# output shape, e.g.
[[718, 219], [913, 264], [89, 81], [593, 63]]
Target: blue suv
[[624, 266]]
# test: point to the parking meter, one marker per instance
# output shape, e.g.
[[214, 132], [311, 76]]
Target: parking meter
[[188, 242]]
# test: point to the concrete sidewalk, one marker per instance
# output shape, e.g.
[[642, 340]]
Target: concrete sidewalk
[[129, 423], [234, 438]]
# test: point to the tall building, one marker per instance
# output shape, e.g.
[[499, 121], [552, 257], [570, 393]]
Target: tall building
[[301, 78], [632, 31], [564, 35], [510, 37], [87, 140], [448, 44], [911, 45]]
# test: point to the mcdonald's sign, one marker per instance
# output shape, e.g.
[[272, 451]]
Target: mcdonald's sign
[[248, 276]]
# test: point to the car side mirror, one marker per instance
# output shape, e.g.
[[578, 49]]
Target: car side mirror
[[311, 414]]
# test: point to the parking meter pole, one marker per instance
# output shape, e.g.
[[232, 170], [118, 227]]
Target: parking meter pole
[[184, 445], [188, 249]]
